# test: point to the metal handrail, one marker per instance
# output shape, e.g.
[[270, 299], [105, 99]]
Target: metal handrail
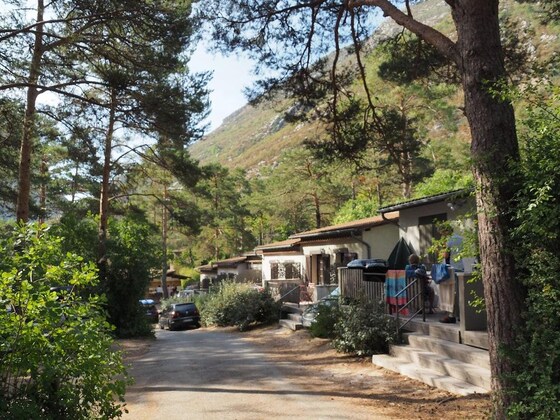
[[287, 293], [413, 299], [284, 295]]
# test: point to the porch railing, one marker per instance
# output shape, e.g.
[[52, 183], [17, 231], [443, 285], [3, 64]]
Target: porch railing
[[285, 290], [352, 285], [414, 303]]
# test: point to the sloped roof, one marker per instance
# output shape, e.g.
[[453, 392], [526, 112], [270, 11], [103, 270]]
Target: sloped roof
[[281, 245], [175, 275], [228, 262], [426, 200], [348, 227], [206, 267]]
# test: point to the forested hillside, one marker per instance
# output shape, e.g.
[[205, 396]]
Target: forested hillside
[[299, 180], [106, 180]]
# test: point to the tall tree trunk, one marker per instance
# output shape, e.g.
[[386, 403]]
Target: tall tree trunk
[[43, 190], [406, 174], [216, 244], [494, 148], [317, 207], [164, 245], [26, 150], [75, 183], [104, 196], [216, 203]]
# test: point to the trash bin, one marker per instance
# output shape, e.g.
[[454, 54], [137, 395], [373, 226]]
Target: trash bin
[[374, 269]]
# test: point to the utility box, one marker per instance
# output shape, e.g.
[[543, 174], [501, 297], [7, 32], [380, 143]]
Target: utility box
[[472, 319]]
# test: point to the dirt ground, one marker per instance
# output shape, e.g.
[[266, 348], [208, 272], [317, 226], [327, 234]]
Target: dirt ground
[[315, 365]]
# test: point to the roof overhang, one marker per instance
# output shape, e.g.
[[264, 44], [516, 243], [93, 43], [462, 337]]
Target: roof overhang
[[448, 196], [287, 245], [346, 230]]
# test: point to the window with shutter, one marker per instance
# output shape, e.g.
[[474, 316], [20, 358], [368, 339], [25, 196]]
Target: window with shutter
[[274, 271]]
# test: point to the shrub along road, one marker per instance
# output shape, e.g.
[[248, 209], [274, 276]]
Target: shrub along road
[[273, 373]]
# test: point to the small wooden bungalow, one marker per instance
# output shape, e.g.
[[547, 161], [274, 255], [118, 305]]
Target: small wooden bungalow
[[309, 260], [418, 228], [246, 268], [173, 281]]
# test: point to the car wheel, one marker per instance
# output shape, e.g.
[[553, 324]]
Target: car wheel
[[169, 326]]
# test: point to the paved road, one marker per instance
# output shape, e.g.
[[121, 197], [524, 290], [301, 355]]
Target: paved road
[[202, 374]]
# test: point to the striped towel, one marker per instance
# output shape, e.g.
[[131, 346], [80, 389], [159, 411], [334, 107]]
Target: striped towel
[[395, 281]]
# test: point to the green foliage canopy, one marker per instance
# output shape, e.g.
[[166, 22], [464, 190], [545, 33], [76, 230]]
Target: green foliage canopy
[[56, 356], [537, 239]]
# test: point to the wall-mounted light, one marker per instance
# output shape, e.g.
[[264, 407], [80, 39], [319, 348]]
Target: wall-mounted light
[[455, 205]]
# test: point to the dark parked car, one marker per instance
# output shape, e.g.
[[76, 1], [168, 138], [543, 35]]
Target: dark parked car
[[150, 310], [179, 315]]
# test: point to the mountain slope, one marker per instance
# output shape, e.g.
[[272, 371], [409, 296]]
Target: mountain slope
[[256, 136]]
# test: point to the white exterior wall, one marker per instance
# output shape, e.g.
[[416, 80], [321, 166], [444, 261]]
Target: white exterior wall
[[206, 276], [408, 219], [382, 239], [227, 270], [332, 248], [268, 259], [238, 270]]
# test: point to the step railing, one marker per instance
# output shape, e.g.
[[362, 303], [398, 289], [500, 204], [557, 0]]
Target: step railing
[[283, 297], [419, 296], [290, 292]]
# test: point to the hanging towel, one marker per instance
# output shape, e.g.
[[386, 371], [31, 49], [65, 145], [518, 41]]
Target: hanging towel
[[395, 281], [447, 291], [440, 273]]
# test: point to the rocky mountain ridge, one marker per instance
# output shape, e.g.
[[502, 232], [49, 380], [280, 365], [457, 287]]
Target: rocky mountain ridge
[[253, 137]]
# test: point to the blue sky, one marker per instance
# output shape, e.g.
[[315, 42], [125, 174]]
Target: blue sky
[[231, 75]]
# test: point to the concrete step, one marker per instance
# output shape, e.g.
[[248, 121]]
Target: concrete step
[[294, 317], [476, 339], [428, 376], [294, 308], [449, 332], [442, 365], [291, 324], [461, 352]]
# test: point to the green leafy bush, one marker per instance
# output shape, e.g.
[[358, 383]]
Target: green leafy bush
[[536, 355], [364, 329], [134, 252], [324, 324], [56, 360], [237, 304]]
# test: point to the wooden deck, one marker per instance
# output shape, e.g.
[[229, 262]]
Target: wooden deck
[[352, 285]]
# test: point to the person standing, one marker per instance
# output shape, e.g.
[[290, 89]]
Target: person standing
[[415, 269]]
